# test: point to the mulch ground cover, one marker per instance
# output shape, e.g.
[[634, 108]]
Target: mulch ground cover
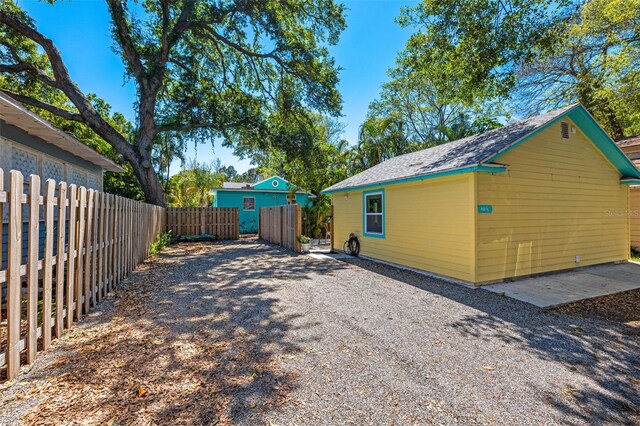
[[621, 307]]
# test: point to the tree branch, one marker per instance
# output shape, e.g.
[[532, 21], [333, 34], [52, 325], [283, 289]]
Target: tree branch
[[183, 127], [123, 33], [64, 83], [242, 49]]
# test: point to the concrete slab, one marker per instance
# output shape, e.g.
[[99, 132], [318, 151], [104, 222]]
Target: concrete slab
[[566, 287]]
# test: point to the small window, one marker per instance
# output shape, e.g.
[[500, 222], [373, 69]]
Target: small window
[[564, 129], [374, 214], [275, 183], [248, 203]]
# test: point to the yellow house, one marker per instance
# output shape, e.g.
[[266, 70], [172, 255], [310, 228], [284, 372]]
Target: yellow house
[[543, 194], [631, 147]]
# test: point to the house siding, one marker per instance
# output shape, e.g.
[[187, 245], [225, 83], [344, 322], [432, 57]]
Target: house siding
[[635, 216], [249, 218], [11, 136], [429, 225], [559, 199]]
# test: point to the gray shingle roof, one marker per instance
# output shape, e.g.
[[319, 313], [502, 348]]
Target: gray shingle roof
[[236, 185], [467, 152]]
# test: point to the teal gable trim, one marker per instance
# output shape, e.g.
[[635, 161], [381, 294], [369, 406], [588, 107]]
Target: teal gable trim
[[480, 168], [274, 183], [364, 216], [590, 127], [630, 181]]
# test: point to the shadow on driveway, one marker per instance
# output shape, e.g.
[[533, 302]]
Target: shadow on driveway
[[190, 338], [606, 352]]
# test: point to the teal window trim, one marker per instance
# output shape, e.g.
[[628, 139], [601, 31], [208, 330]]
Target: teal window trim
[[364, 213]]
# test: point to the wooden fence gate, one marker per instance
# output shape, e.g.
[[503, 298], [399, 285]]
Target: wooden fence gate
[[281, 225], [222, 223], [64, 251]]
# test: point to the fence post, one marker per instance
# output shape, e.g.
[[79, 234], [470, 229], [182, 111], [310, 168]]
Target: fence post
[[14, 255]]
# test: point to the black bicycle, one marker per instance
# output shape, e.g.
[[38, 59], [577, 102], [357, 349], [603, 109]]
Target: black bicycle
[[352, 245]]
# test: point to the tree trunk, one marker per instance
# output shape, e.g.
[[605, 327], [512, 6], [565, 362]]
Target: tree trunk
[[149, 181]]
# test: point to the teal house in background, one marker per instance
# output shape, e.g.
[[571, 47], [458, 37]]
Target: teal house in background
[[250, 197]]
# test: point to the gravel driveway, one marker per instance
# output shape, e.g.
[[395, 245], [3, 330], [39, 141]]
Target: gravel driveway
[[246, 333]]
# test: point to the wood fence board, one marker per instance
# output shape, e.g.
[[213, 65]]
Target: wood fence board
[[47, 274], [71, 255], [217, 221], [14, 254], [60, 257], [33, 243], [281, 225], [72, 246]]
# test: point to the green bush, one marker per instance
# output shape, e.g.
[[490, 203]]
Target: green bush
[[161, 242], [635, 253], [304, 239]]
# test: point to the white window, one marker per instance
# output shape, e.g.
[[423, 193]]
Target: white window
[[248, 203], [374, 214]]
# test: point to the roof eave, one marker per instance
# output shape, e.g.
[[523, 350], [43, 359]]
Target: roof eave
[[482, 168], [77, 148]]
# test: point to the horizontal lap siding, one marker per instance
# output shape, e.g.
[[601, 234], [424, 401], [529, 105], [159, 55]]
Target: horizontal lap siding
[[635, 217], [428, 225], [560, 199]]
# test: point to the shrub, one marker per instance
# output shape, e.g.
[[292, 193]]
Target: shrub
[[161, 242], [304, 239]]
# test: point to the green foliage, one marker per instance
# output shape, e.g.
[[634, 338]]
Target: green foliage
[[635, 253], [123, 184], [326, 158], [534, 54], [316, 216], [304, 239], [163, 240], [595, 61], [192, 185], [477, 44], [246, 72]]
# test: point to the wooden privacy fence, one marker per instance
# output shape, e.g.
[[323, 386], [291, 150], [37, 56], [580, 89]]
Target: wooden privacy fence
[[222, 223], [281, 225], [91, 242]]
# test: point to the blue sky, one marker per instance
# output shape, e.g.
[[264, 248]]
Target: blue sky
[[368, 47]]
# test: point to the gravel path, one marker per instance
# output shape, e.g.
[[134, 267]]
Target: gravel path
[[245, 333]]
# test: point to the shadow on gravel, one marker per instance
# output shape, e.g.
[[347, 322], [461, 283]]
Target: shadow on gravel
[[606, 352], [190, 339]]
